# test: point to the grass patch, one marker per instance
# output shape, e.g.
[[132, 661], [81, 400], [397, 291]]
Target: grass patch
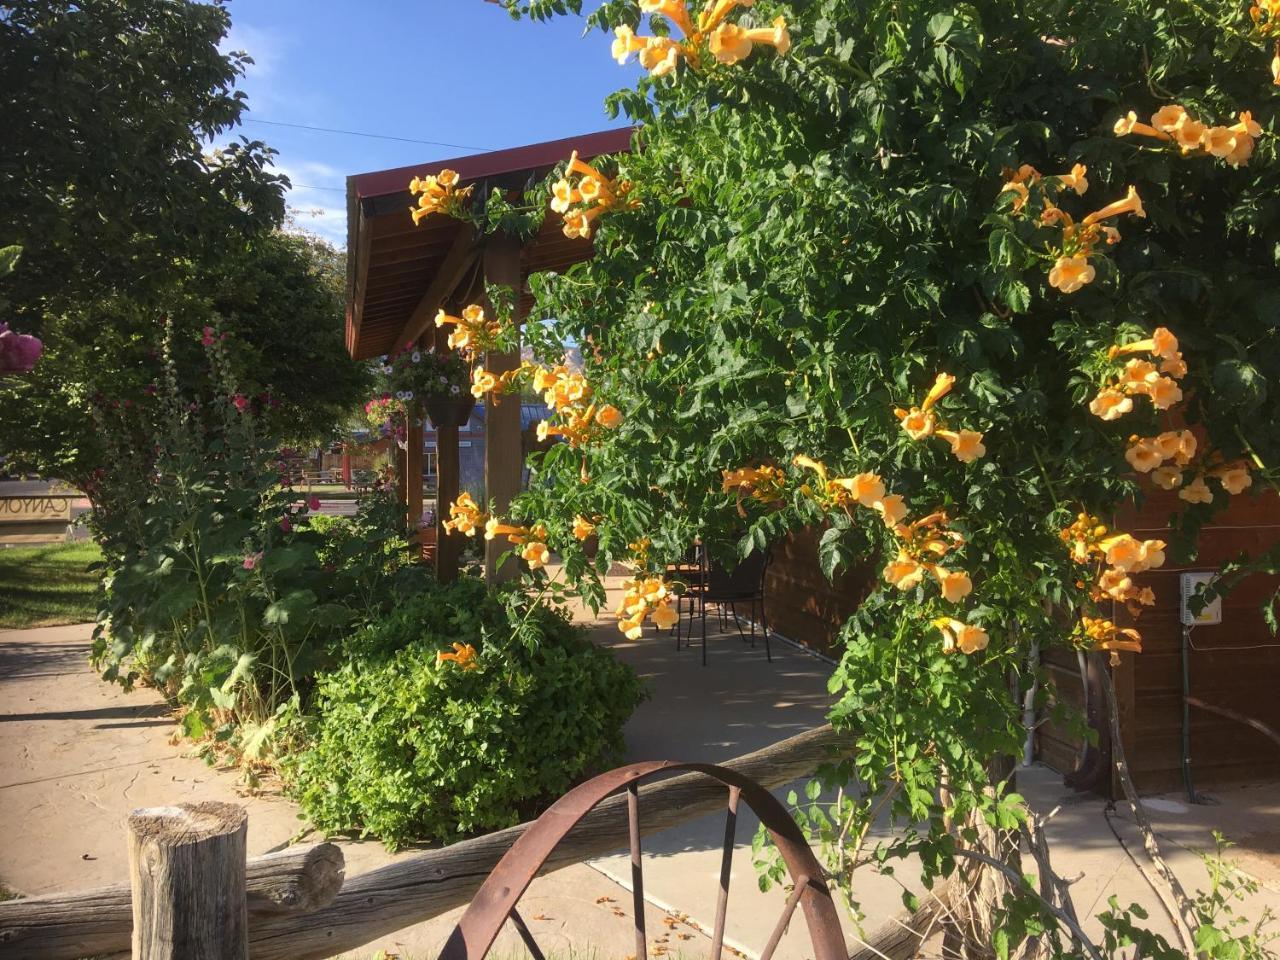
[[48, 585]]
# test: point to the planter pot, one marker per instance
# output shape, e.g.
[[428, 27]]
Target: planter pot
[[450, 411]]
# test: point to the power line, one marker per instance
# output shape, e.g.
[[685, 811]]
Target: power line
[[371, 136], [311, 186]]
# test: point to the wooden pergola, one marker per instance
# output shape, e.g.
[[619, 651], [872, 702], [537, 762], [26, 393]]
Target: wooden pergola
[[399, 275]]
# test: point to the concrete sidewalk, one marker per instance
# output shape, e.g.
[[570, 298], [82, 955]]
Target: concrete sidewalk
[[77, 754]]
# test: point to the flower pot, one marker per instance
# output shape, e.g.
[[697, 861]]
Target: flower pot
[[450, 411]]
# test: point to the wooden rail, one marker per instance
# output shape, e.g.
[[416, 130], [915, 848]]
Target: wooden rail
[[90, 923], [410, 890]]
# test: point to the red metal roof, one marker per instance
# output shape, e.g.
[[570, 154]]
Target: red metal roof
[[392, 264]]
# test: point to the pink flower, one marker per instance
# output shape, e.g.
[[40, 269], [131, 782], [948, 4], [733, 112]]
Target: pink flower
[[18, 351], [314, 503], [286, 524], [241, 402], [251, 560], [207, 339], [149, 389]]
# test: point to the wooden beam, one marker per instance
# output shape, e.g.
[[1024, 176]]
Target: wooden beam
[[456, 263], [64, 926], [503, 453], [358, 270]]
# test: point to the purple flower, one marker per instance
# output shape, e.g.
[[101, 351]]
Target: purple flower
[[314, 503], [18, 351], [286, 524]]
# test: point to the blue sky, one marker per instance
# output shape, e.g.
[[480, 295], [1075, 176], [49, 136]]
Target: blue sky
[[454, 71]]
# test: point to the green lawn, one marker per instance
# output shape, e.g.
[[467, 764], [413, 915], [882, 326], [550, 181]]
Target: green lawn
[[48, 585]]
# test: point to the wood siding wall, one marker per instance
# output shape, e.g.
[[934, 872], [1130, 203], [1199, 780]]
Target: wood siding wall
[[799, 601], [1235, 664]]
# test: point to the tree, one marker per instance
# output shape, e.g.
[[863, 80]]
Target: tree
[[126, 215], [924, 274]]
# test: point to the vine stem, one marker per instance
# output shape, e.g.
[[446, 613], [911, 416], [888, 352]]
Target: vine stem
[[1184, 920], [1257, 460], [1045, 473], [1019, 882]]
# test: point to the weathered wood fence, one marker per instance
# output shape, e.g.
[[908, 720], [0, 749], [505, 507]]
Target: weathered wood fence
[[194, 896]]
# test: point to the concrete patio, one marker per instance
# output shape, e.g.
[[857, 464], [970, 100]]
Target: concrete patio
[[76, 755]]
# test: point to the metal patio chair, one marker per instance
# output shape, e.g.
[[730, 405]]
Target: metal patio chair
[[728, 588]]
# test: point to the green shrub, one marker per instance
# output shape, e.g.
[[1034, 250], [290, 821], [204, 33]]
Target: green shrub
[[405, 747]]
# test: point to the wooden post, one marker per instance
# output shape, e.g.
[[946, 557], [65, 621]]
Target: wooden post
[[187, 875], [413, 475], [398, 458], [503, 455], [448, 486]]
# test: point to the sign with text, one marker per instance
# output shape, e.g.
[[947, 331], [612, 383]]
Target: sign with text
[[35, 509]]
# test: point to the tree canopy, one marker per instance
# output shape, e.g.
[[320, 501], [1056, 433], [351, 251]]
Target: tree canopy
[[128, 213]]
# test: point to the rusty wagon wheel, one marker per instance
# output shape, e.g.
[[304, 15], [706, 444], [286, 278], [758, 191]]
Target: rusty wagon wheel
[[496, 899]]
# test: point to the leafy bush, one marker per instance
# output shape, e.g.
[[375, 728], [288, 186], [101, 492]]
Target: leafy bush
[[406, 746]]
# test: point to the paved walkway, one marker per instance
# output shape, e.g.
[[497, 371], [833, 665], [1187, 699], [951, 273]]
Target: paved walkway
[[76, 755]]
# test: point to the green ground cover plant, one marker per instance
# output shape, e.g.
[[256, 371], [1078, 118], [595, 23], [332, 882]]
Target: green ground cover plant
[[49, 585], [411, 740]]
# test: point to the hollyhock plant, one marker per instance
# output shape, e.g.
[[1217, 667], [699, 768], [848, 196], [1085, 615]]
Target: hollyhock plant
[[18, 351]]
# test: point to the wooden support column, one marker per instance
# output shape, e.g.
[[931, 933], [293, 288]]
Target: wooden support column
[[448, 486], [503, 455], [413, 476], [398, 458]]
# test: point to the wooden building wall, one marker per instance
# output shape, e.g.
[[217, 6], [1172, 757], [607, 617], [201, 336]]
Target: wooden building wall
[[1235, 664], [800, 603]]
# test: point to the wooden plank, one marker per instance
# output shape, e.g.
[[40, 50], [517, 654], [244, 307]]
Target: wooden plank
[[66, 926], [503, 450], [456, 262], [358, 270]]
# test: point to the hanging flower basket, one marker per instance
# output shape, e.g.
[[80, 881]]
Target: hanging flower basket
[[450, 411]]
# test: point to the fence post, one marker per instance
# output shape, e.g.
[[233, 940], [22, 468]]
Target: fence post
[[187, 874]]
